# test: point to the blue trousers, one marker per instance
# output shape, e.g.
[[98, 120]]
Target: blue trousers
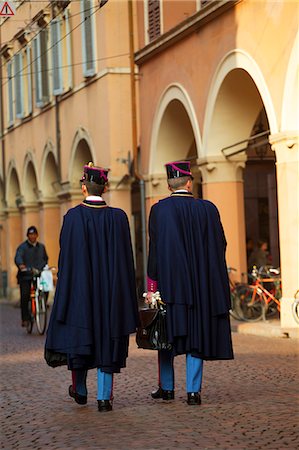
[[194, 368], [104, 383]]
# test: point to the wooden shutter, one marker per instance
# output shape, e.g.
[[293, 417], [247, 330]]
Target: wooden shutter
[[10, 93], [29, 86], [37, 71], [18, 74], [56, 57], [154, 25], [88, 39], [43, 36]]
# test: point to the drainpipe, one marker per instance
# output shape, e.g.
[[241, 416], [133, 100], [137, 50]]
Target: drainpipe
[[58, 136], [138, 176], [2, 128]]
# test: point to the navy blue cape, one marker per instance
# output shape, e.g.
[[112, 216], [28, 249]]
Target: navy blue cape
[[95, 305], [187, 259]]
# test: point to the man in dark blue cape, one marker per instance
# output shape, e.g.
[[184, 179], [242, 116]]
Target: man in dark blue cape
[[95, 305], [187, 266]]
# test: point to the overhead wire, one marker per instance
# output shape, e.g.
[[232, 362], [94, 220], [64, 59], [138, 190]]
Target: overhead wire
[[56, 43]]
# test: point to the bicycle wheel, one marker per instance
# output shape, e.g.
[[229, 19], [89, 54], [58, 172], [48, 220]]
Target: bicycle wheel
[[31, 319], [295, 309], [233, 311], [271, 309], [249, 308], [41, 312]]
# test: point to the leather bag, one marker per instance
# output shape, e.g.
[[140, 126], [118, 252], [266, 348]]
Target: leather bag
[[152, 332]]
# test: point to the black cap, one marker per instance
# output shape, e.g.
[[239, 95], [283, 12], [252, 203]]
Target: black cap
[[32, 230], [178, 169], [97, 175]]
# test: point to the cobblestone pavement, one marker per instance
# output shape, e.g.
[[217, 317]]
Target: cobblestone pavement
[[248, 403]]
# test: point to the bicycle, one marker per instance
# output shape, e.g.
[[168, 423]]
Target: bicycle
[[254, 301], [295, 307], [38, 302], [235, 288]]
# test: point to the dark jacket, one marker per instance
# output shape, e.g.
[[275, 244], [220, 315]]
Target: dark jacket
[[32, 256], [187, 259], [95, 304]]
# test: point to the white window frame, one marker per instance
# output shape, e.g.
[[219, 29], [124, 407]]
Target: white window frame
[[88, 72]]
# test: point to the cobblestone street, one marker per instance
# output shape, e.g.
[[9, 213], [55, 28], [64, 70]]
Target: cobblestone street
[[248, 403]]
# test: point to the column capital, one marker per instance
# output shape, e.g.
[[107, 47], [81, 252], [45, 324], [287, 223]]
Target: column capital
[[120, 183], [156, 185], [217, 169], [286, 146]]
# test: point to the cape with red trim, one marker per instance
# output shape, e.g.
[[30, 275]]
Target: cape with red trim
[[95, 305], [187, 259]]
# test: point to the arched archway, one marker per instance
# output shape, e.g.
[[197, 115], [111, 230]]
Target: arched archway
[[81, 154], [13, 189], [175, 136], [239, 107], [175, 132], [50, 183], [30, 184]]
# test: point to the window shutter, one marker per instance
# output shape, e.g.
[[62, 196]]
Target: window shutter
[[10, 94], [88, 39], [56, 57], [37, 72], [68, 49], [29, 87], [154, 25], [18, 73], [43, 37]]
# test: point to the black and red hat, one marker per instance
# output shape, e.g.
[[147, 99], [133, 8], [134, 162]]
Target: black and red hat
[[94, 174], [178, 169]]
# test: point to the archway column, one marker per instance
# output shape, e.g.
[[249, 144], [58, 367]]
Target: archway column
[[222, 184], [155, 189], [14, 237], [286, 149], [119, 194], [50, 224]]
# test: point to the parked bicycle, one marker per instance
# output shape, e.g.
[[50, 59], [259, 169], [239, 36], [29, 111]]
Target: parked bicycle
[[235, 290], [40, 287], [255, 302]]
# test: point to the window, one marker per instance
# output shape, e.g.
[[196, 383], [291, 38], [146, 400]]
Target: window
[[10, 94], [56, 57], [41, 68], [154, 22], [88, 41]]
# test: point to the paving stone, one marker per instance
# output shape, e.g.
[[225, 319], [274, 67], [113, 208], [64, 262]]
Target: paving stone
[[248, 403]]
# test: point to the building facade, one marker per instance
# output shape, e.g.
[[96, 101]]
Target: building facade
[[215, 89], [211, 83]]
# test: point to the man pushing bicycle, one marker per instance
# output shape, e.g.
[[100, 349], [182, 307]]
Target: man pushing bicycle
[[30, 255]]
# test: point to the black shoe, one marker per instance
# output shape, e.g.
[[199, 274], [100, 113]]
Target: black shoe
[[80, 399], [193, 398], [161, 393], [104, 405]]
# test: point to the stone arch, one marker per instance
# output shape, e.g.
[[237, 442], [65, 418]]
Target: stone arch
[[50, 183], [175, 132], [290, 104], [82, 152], [30, 179], [238, 82], [13, 187]]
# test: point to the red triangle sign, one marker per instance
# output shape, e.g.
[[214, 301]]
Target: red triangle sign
[[7, 10]]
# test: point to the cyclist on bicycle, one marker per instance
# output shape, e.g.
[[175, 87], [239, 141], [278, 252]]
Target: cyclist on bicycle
[[30, 255]]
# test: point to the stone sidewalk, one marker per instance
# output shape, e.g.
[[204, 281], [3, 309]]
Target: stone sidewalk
[[248, 403]]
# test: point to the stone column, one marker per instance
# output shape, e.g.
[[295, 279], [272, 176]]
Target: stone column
[[223, 185], [156, 188], [119, 194], [286, 149], [13, 237], [50, 220]]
